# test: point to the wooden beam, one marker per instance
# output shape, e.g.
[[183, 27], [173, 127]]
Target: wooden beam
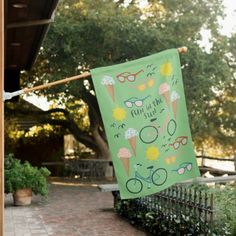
[[30, 23], [215, 158], [1, 117]]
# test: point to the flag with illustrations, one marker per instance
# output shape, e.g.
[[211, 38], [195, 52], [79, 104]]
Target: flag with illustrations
[[143, 107]]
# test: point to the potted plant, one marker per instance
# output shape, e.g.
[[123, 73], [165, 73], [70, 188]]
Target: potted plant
[[22, 179]]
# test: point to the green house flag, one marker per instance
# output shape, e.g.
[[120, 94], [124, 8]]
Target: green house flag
[[143, 107]]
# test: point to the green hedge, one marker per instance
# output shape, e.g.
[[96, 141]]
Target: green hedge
[[159, 223]]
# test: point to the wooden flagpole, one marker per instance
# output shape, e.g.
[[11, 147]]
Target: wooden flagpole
[[62, 81], [77, 77]]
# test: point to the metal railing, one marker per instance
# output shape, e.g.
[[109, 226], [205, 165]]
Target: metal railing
[[177, 205], [87, 168]]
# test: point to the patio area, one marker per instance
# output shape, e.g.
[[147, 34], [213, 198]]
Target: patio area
[[70, 210]]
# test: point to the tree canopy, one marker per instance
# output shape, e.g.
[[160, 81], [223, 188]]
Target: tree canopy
[[88, 34]]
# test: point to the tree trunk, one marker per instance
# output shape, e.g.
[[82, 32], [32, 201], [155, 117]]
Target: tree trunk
[[92, 139], [104, 152], [235, 161]]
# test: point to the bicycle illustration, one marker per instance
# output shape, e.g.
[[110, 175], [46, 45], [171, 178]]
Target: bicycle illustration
[[157, 177], [149, 133]]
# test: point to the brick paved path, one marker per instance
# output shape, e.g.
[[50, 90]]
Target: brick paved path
[[68, 211]]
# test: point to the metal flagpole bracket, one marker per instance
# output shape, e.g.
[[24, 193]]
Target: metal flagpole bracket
[[10, 95]]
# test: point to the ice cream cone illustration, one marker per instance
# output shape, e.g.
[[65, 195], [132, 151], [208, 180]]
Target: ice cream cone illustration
[[131, 135], [125, 155], [132, 142], [164, 90], [166, 96], [109, 82], [125, 162], [174, 106], [110, 89], [174, 101]]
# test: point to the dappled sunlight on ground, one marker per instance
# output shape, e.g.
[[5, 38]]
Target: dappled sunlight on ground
[[68, 210]]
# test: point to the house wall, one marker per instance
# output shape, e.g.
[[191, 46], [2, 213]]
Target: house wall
[[37, 151], [1, 116]]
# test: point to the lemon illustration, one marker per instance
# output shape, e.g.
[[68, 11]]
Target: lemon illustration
[[141, 87], [167, 160], [119, 113], [150, 83], [166, 69], [173, 159], [152, 153]]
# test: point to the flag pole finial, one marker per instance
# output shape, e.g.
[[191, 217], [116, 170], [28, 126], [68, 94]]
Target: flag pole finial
[[182, 49]]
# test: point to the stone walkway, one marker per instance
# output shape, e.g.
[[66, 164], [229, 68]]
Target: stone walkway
[[68, 211]]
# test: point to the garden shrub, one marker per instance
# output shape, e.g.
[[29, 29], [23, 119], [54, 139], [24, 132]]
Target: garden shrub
[[158, 222]]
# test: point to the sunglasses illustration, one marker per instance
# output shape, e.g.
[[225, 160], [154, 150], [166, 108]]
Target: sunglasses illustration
[[135, 101], [179, 140], [128, 76], [185, 166]]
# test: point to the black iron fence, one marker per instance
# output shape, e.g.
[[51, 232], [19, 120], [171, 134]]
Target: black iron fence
[[179, 210], [87, 168], [93, 168]]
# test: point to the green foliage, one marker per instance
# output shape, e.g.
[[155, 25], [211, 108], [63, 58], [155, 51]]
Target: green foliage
[[159, 222], [89, 34], [225, 207], [224, 204], [22, 175]]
